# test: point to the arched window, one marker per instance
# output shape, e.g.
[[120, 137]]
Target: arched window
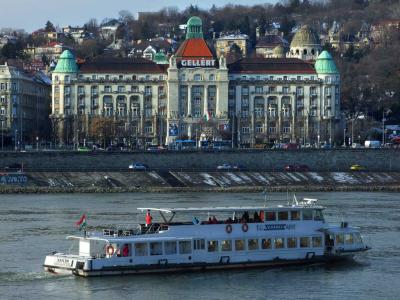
[[133, 77], [56, 78], [305, 51], [197, 77], [297, 51], [212, 77], [313, 51]]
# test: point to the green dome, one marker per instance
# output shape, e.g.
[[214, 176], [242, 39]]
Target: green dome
[[325, 64], [66, 63], [279, 52], [305, 36], [194, 28], [160, 58]]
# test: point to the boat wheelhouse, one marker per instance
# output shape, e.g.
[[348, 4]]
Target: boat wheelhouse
[[192, 239]]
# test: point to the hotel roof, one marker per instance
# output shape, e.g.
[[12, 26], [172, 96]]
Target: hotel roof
[[122, 65], [194, 48], [271, 65]]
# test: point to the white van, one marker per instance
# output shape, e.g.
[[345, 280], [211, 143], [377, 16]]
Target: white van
[[372, 144]]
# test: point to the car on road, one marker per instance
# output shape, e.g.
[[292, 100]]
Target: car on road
[[229, 167], [84, 149], [296, 168], [137, 166], [15, 167], [357, 168]]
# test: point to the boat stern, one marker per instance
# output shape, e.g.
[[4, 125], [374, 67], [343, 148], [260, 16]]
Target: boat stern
[[63, 264]]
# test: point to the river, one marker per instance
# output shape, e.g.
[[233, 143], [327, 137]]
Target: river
[[35, 225]]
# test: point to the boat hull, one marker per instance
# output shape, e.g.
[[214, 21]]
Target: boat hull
[[196, 267]]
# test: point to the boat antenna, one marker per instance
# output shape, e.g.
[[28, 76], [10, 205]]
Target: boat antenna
[[295, 202], [287, 195], [265, 197]]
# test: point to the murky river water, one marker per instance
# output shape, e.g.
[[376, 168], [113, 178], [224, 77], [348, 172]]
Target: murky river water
[[33, 225]]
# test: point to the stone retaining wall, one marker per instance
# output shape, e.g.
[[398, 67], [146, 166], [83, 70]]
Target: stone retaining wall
[[270, 160]]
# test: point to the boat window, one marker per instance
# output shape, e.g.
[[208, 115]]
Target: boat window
[[185, 247], [317, 241], [291, 242], [199, 244], [318, 215], [252, 244], [282, 215], [304, 242], [307, 214], [156, 248], [239, 245], [226, 245], [270, 216], [279, 243], [126, 250], [170, 247], [357, 238], [141, 249], [266, 244], [348, 238], [212, 246], [339, 239], [295, 215]]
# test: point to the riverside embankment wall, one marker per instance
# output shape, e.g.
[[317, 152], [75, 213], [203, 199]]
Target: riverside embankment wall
[[378, 160]]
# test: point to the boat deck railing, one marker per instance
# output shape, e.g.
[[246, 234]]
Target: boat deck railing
[[137, 229]]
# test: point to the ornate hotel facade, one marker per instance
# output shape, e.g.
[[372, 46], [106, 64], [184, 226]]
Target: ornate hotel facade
[[252, 101]]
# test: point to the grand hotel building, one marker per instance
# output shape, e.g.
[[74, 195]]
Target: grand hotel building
[[197, 95]]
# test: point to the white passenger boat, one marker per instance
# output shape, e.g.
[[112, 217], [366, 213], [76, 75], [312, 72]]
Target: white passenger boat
[[212, 238]]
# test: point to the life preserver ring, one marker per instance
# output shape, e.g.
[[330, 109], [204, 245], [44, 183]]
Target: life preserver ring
[[245, 227], [228, 228], [110, 250]]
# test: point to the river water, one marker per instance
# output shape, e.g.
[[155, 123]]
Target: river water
[[33, 225]]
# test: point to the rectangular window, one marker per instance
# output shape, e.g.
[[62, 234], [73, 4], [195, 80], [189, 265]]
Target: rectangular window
[[339, 239], [279, 243], [295, 215], [199, 244], [266, 244], [270, 216], [141, 249], [317, 241], [304, 242], [252, 244], [226, 245], [292, 242], [185, 247], [307, 215], [245, 129], [318, 215], [348, 238], [156, 248], [212, 246], [239, 245], [282, 215], [170, 248]]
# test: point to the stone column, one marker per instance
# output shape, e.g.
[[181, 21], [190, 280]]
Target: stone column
[[205, 104], [189, 100]]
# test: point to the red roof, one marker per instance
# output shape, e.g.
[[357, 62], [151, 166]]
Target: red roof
[[271, 65], [193, 48]]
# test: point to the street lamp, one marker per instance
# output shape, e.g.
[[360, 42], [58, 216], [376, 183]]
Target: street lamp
[[387, 112], [37, 143]]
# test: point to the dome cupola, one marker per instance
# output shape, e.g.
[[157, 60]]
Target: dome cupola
[[325, 64], [66, 63], [194, 28]]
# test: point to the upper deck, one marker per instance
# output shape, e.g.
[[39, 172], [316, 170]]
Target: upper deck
[[181, 221]]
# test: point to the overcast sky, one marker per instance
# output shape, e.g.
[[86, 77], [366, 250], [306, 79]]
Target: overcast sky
[[33, 14]]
